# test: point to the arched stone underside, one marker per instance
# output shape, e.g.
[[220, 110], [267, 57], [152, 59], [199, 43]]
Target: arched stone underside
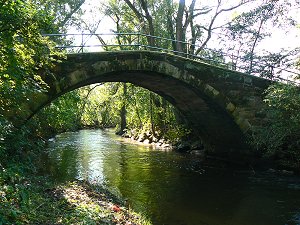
[[219, 104]]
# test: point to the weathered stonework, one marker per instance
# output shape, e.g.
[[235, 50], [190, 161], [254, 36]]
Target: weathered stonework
[[220, 105]]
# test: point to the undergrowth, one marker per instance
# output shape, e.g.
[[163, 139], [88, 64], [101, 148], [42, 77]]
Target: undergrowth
[[26, 197]]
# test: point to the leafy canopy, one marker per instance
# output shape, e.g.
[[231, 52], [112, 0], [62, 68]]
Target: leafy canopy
[[24, 50]]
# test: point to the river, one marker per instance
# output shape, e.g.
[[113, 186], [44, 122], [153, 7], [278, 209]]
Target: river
[[173, 188]]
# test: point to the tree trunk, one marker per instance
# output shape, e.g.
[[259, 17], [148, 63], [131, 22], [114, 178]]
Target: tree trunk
[[179, 26], [151, 113], [191, 49], [170, 29], [123, 112], [250, 69], [70, 14], [149, 19], [85, 100]]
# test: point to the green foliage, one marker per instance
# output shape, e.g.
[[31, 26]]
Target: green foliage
[[248, 29], [20, 149], [101, 105], [63, 11], [26, 198], [146, 112], [14, 195], [23, 52], [5, 128], [281, 136], [128, 21], [176, 133], [61, 115]]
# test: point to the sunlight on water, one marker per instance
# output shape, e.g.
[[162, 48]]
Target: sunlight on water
[[174, 188]]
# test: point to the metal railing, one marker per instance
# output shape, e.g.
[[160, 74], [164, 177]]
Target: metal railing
[[81, 42]]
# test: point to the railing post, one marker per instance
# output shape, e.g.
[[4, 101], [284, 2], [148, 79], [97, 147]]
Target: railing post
[[187, 49], [82, 41], [138, 42]]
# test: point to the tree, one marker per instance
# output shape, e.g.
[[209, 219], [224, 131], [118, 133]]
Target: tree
[[155, 19], [205, 31], [63, 11], [280, 137], [248, 29], [123, 123], [24, 51], [61, 115]]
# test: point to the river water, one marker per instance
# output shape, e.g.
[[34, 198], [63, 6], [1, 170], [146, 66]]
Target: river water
[[172, 188]]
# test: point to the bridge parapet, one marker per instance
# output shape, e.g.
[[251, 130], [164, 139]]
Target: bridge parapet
[[138, 41]]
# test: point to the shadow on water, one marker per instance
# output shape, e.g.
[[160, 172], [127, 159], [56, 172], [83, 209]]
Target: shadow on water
[[173, 188]]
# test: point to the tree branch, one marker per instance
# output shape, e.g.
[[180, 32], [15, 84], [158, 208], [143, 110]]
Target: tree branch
[[202, 13], [170, 28], [150, 22], [134, 9], [217, 13], [86, 98], [69, 15]]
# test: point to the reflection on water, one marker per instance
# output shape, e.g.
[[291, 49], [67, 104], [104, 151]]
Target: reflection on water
[[173, 188]]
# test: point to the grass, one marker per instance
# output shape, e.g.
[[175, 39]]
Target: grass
[[26, 198]]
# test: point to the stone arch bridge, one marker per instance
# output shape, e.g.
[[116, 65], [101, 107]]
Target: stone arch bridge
[[220, 105]]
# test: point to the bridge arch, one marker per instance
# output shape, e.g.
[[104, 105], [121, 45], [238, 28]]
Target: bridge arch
[[201, 92]]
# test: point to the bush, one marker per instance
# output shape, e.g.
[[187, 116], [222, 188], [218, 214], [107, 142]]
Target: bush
[[280, 138]]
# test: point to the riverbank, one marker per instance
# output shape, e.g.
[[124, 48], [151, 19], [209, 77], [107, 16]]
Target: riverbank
[[29, 198], [185, 145], [168, 186], [255, 162], [165, 185]]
